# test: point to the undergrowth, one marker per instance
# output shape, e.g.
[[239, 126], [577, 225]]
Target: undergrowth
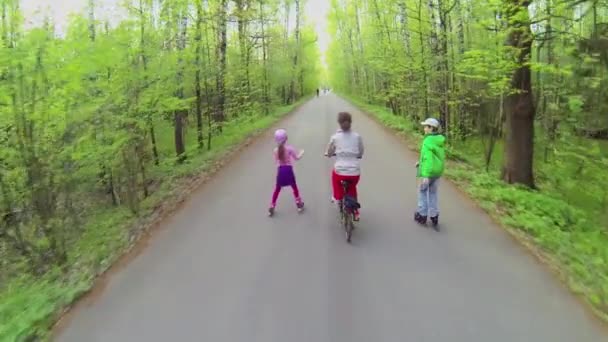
[[565, 218], [29, 305]]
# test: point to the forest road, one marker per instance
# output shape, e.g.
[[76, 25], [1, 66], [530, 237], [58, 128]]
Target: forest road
[[224, 271]]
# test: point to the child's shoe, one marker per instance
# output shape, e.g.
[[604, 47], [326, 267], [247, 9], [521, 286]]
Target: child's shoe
[[419, 218], [271, 211], [300, 205], [435, 221]]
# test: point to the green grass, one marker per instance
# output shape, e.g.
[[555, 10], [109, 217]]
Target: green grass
[[565, 219], [29, 305]]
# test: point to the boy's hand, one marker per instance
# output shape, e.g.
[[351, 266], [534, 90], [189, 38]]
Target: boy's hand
[[301, 154]]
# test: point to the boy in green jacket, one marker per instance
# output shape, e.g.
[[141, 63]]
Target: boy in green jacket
[[430, 169]]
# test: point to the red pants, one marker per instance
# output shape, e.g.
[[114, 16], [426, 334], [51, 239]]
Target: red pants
[[277, 191], [337, 187]]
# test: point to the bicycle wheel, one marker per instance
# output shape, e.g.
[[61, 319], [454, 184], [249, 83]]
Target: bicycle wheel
[[348, 226]]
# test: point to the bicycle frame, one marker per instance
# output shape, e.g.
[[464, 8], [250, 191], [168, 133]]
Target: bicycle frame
[[346, 214]]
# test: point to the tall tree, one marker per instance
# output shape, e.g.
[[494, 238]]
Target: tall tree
[[198, 39], [221, 58], [519, 139]]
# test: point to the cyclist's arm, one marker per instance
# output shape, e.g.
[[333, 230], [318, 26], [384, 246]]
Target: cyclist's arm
[[331, 147], [361, 148]]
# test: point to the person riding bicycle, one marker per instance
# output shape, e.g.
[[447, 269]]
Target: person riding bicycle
[[347, 146]]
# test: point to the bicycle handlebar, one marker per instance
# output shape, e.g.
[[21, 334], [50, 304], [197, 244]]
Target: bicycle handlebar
[[333, 155]]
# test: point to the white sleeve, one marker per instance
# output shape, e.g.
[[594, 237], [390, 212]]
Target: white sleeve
[[361, 148], [331, 146]]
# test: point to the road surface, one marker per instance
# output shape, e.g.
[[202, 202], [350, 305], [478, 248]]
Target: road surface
[[223, 271]]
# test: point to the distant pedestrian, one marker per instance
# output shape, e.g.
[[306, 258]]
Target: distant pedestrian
[[285, 156], [430, 169], [317, 92]]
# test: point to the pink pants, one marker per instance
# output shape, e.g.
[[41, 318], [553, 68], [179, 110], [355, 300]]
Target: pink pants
[[277, 191]]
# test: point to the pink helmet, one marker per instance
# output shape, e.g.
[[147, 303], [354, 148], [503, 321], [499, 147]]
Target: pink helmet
[[280, 136]]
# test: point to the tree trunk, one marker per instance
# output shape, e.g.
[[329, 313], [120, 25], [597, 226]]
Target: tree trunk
[[197, 76], [520, 111], [142, 168], [180, 146], [144, 61], [405, 32], [208, 95], [221, 57], [459, 82], [153, 138], [265, 85], [180, 115], [92, 20], [550, 121], [284, 88], [362, 52], [443, 68], [242, 17], [425, 77], [296, 70]]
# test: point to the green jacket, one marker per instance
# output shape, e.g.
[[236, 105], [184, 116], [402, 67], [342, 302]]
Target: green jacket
[[432, 156]]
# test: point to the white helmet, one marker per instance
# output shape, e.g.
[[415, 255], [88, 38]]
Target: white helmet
[[430, 122]]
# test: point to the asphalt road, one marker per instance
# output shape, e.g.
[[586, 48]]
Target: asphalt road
[[221, 270]]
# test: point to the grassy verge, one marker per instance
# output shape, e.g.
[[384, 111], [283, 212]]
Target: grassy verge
[[562, 223], [29, 306]]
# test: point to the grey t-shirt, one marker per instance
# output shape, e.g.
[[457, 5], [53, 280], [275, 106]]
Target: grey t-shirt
[[348, 147]]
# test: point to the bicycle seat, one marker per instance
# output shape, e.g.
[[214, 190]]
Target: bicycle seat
[[351, 203]]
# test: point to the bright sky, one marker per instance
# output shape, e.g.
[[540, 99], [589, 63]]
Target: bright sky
[[60, 10], [316, 12], [34, 10]]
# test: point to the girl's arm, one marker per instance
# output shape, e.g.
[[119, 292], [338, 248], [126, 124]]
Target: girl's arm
[[296, 156]]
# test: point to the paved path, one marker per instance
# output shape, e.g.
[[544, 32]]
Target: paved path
[[223, 271]]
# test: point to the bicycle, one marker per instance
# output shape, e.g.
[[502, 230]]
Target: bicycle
[[347, 206]]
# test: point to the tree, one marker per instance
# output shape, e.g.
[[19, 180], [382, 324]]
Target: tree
[[221, 57], [198, 74], [519, 139]]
